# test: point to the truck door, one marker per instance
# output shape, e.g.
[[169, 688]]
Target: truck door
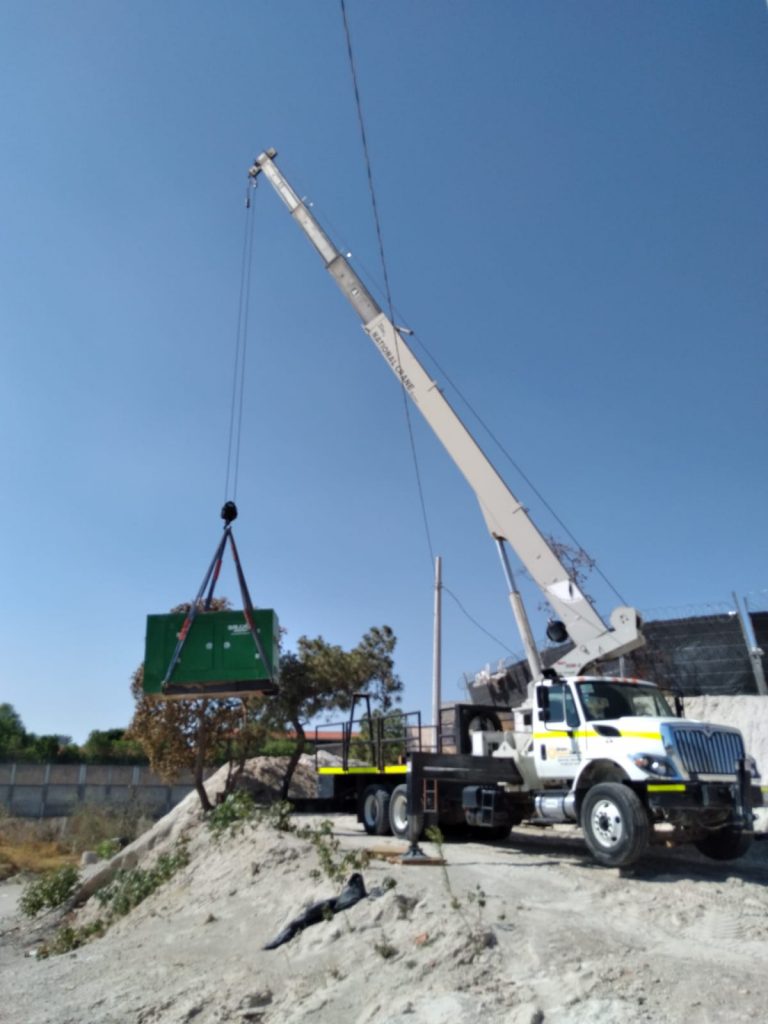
[[556, 749]]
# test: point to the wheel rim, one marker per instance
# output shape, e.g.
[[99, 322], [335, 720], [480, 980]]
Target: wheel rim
[[607, 824], [399, 811]]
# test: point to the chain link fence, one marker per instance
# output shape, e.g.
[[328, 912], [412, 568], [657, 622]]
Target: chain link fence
[[697, 650]]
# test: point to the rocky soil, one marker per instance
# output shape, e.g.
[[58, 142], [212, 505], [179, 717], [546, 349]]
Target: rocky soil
[[524, 931]]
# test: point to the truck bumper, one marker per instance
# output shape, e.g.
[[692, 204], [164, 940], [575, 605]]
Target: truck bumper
[[736, 798]]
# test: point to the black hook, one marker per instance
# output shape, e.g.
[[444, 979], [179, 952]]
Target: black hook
[[229, 513]]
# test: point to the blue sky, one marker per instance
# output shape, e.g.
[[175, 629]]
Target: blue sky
[[575, 218]]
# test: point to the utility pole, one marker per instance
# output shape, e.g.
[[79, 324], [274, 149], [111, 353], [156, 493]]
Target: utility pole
[[754, 652], [437, 651]]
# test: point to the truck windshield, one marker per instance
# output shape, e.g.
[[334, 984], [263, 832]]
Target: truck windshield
[[602, 698]]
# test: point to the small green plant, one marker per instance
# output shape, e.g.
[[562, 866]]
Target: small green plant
[[333, 864], [435, 835], [107, 848], [478, 936], [279, 816], [130, 888], [50, 891], [232, 815], [239, 811], [67, 939], [477, 896]]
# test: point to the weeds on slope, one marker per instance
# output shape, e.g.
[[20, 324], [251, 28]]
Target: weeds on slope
[[50, 891], [239, 811], [127, 890], [479, 935]]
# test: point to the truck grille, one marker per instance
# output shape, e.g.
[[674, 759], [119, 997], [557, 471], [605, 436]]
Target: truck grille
[[708, 751]]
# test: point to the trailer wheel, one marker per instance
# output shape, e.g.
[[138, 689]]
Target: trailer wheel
[[398, 814], [374, 812], [725, 844], [615, 824]]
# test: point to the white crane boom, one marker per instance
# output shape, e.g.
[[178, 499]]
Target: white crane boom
[[505, 516]]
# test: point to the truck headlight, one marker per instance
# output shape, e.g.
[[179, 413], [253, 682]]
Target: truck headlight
[[655, 764], [751, 766]]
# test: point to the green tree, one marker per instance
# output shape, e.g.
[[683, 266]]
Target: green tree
[[320, 677], [13, 735], [44, 749], [110, 746]]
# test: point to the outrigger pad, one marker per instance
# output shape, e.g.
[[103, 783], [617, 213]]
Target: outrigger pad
[[219, 657]]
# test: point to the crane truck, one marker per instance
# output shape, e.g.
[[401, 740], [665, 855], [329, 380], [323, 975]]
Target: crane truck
[[601, 751]]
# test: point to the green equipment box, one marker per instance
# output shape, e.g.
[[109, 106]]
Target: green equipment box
[[219, 657]]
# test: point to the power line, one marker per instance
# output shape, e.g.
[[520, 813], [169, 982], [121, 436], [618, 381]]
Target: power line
[[241, 346], [383, 261]]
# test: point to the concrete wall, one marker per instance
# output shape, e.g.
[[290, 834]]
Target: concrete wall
[[747, 713], [56, 790]]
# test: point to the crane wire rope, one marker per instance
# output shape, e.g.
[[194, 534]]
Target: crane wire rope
[[391, 313], [385, 273], [241, 349], [375, 288], [520, 471]]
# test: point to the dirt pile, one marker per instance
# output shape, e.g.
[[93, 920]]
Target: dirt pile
[[528, 931]]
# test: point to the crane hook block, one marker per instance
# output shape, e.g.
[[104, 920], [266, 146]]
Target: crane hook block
[[229, 513]]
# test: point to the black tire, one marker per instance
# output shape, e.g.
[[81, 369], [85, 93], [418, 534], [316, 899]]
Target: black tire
[[398, 814], [374, 810], [725, 844], [472, 721], [615, 824]]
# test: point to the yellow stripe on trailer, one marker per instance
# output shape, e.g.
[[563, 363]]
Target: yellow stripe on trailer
[[389, 769], [666, 787]]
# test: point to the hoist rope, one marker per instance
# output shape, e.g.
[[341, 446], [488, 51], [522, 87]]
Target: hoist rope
[[520, 471], [383, 261], [406, 405], [375, 288], [241, 347]]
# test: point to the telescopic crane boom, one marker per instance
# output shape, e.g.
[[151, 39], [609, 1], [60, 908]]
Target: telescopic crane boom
[[505, 517]]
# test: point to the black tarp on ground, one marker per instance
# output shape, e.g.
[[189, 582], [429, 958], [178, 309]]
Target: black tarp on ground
[[692, 656]]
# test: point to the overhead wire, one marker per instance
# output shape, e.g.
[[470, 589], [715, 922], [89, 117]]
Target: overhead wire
[[391, 312], [375, 288], [241, 350], [384, 270], [519, 470]]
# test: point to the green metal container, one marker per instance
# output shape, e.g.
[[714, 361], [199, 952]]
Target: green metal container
[[218, 659]]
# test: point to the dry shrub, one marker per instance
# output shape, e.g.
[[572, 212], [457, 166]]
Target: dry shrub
[[91, 824], [39, 845]]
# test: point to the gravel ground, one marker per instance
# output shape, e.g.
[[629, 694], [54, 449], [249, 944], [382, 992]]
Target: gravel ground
[[524, 931]]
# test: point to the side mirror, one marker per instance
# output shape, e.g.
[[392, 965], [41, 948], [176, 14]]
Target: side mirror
[[542, 702], [679, 706]]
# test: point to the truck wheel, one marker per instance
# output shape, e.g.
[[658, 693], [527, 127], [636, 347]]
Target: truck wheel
[[615, 824], [398, 814], [725, 844], [375, 811]]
